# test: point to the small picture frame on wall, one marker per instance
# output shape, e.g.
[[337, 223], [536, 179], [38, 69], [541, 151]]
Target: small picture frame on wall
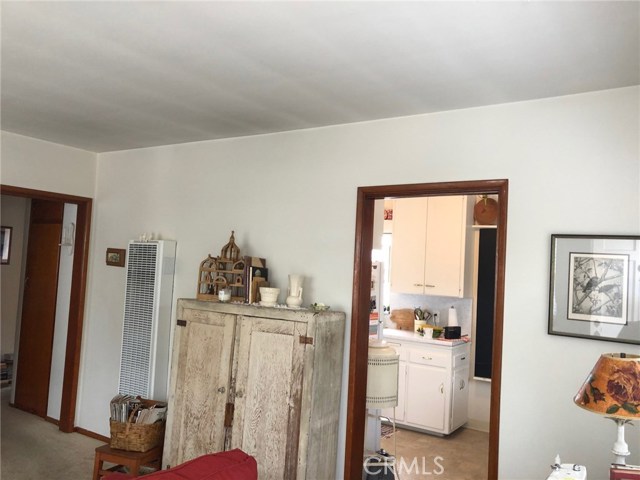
[[5, 244], [116, 257], [594, 287]]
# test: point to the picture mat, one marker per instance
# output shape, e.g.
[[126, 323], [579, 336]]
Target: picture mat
[[598, 286]]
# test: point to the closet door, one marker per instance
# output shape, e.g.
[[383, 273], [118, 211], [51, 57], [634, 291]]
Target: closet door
[[200, 380], [268, 394]]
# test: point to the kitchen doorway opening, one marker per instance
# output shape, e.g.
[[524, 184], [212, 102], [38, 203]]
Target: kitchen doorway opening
[[356, 409]]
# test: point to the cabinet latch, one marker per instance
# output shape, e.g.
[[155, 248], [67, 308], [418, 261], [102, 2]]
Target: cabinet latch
[[228, 414], [182, 323], [306, 340]]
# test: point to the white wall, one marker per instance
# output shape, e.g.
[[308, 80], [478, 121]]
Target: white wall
[[572, 163], [573, 167], [15, 211], [41, 165]]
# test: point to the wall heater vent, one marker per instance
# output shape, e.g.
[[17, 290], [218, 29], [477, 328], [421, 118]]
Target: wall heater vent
[[144, 364]]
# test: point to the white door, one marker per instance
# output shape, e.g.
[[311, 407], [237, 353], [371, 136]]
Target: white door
[[408, 242], [444, 248], [266, 423], [426, 395]]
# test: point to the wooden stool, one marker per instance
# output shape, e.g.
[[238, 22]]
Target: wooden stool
[[124, 458]]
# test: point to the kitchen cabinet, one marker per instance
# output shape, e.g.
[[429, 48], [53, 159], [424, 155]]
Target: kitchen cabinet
[[433, 385], [265, 380], [428, 249]]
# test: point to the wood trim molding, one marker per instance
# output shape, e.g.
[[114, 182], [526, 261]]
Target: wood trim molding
[[90, 434], [77, 295], [41, 194], [357, 384]]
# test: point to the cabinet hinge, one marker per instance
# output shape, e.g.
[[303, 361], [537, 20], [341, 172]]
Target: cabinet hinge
[[182, 323], [228, 414], [306, 340]]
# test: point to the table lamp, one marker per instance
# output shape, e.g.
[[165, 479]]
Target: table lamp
[[612, 389]]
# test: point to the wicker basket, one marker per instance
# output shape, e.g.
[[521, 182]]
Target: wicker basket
[[136, 437]]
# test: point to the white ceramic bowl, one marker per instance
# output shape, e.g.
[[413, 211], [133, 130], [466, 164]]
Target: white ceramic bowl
[[269, 296]]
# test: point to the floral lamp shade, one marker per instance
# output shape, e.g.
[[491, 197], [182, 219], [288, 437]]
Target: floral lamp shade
[[613, 387]]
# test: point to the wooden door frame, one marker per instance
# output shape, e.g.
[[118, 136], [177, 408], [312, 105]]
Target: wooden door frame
[[357, 386], [77, 296]]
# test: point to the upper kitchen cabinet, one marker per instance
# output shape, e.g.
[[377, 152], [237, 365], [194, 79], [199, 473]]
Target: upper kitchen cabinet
[[428, 248]]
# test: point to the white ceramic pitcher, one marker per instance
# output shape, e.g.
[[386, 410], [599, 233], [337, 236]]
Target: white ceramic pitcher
[[295, 290]]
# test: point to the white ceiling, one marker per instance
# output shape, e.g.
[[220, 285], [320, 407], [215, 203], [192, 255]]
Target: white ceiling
[[107, 76]]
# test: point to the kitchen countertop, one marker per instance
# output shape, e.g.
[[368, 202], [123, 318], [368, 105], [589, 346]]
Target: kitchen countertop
[[407, 335]]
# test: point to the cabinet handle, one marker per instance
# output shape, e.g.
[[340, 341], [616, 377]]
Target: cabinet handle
[[462, 384], [430, 286], [463, 358], [442, 388], [418, 285], [427, 358], [221, 390]]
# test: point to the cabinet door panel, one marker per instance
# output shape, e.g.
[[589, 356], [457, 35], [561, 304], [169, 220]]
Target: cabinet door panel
[[444, 246], [426, 393], [200, 387], [268, 394], [460, 398], [407, 250]]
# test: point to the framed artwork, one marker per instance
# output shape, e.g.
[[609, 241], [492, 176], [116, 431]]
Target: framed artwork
[[5, 244], [116, 257], [594, 287]]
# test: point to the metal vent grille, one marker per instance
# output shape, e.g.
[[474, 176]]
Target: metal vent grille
[[138, 330]]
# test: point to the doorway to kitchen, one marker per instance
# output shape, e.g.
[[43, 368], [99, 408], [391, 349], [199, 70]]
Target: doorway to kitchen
[[425, 283], [356, 410]]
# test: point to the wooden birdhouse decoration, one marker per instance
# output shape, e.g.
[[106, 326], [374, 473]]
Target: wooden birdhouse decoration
[[229, 271]]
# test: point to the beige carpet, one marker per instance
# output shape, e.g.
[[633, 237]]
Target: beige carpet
[[463, 455], [33, 449]]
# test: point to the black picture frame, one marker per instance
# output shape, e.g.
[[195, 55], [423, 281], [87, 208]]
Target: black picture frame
[[594, 287]]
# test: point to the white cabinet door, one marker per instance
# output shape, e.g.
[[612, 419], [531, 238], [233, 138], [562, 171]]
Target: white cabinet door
[[268, 394], [459, 398], [408, 247], [200, 380], [427, 253], [444, 254], [426, 396]]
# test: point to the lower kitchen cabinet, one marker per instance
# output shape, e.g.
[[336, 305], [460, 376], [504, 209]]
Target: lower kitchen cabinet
[[425, 398], [433, 386], [265, 380]]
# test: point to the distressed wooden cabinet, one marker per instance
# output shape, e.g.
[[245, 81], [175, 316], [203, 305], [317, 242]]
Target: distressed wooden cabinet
[[428, 250], [266, 380]]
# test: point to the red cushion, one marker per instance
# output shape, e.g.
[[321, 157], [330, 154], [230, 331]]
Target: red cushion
[[230, 465]]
